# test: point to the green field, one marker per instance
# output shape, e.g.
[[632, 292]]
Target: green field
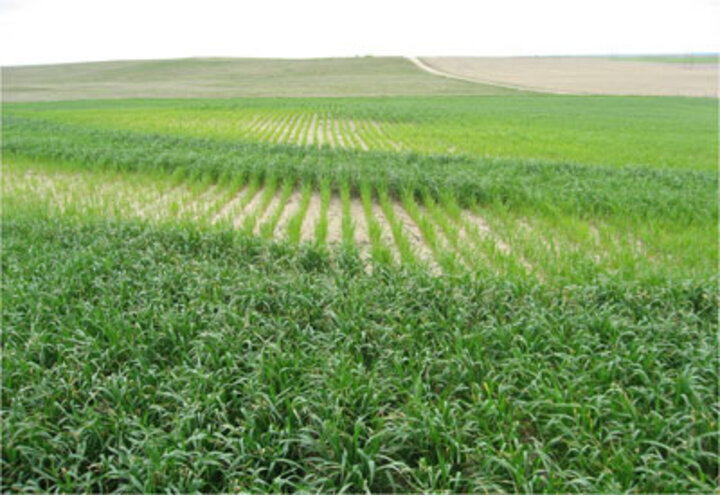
[[229, 77], [599, 130], [488, 292]]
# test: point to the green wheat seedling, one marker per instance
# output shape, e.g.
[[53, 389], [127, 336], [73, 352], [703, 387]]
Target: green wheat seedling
[[321, 229], [446, 260], [347, 225], [401, 241], [268, 227], [232, 188], [268, 192], [295, 224], [378, 251]]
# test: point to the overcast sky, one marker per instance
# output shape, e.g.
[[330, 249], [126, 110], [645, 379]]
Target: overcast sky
[[52, 31]]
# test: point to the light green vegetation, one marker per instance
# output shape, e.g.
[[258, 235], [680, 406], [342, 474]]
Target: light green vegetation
[[228, 78], [605, 130], [398, 294]]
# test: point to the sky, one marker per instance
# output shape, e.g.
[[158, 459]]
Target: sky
[[57, 31]]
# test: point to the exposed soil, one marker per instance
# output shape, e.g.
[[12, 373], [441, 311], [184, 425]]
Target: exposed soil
[[312, 215], [214, 204], [291, 208], [334, 234], [580, 75]]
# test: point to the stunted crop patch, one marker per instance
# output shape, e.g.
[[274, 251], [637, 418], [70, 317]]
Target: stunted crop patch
[[410, 229]]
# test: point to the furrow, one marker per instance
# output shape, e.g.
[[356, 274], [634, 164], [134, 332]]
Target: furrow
[[270, 209], [284, 137], [334, 219], [190, 209], [249, 208], [328, 130], [413, 234], [291, 209], [297, 128], [356, 135], [385, 232], [360, 227], [312, 215], [338, 133], [278, 131], [320, 131], [311, 132], [229, 206]]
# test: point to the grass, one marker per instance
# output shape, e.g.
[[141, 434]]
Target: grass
[[230, 78], [151, 358]]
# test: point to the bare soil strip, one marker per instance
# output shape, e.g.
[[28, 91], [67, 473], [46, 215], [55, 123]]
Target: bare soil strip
[[360, 231], [266, 123], [413, 234], [291, 208], [249, 209], [229, 206], [334, 219], [303, 132], [385, 232], [320, 131], [311, 132], [190, 208], [279, 130], [285, 131], [357, 136], [269, 210], [338, 134], [312, 215], [295, 132], [328, 130]]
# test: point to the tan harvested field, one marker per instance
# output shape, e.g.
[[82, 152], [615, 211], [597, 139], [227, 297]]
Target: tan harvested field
[[582, 75]]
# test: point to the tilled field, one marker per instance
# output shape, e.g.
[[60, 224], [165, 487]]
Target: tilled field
[[584, 75]]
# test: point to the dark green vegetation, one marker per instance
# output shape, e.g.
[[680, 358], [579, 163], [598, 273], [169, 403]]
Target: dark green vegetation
[[147, 359], [567, 343], [228, 77]]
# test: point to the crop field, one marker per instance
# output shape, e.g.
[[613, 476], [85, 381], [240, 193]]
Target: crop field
[[508, 292], [668, 76]]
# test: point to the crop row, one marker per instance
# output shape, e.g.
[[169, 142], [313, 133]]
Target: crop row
[[683, 197], [416, 231], [612, 131], [324, 129]]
